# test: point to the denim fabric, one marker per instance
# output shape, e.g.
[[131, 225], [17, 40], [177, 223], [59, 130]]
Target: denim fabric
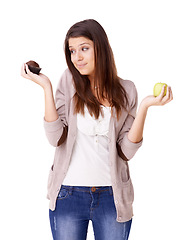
[[75, 206]]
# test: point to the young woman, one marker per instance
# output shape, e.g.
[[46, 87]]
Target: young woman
[[94, 126]]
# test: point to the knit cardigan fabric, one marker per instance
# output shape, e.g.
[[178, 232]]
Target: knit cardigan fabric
[[62, 135]]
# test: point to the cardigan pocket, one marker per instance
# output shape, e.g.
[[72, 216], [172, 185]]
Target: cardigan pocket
[[125, 176], [128, 193]]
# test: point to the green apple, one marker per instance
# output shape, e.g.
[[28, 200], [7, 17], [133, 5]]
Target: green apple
[[158, 88]]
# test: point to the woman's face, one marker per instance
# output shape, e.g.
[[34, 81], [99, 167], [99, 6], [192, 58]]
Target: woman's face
[[82, 55]]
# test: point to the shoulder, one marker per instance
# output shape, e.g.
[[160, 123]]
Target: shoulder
[[131, 90], [66, 77], [129, 86]]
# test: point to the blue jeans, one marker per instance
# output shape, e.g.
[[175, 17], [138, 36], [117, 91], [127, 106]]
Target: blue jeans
[[75, 206]]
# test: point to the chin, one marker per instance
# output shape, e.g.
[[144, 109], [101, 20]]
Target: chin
[[82, 72]]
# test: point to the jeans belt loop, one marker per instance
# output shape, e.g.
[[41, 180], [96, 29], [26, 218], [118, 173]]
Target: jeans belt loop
[[70, 190]]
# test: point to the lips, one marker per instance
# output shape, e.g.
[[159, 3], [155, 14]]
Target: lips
[[81, 65]]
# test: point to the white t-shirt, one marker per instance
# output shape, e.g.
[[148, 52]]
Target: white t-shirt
[[89, 164]]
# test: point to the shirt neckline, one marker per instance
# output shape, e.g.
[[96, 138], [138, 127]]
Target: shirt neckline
[[105, 106]]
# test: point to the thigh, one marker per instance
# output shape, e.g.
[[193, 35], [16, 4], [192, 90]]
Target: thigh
[[68, 221], [104, 221]]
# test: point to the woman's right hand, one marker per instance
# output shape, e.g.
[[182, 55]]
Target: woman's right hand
[[40, 79]]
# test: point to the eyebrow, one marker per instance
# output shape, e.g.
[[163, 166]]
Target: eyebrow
[[80, 44]]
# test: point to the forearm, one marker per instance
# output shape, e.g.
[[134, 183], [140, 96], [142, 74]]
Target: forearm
[[136, 132], [50, 108]]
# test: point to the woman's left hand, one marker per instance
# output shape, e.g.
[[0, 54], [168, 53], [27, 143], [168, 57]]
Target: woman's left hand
[[160, 100]]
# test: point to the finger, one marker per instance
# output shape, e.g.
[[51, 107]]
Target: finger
[[27, 69], [168, 96], [171, 95], [23, 71], [160, 97], [165, 98], [22, 67], [29, 73]]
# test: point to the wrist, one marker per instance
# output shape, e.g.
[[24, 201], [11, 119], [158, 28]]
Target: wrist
[[47, 87], [144, 106]]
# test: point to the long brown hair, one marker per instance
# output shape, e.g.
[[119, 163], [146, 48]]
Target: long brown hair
[[105, 75]]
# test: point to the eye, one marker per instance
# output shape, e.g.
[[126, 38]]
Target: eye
[[85, 48], [72, 51]]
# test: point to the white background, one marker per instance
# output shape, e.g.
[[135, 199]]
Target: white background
[[152, 41]]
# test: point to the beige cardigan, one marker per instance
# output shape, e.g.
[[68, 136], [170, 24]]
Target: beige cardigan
[[62, 134]]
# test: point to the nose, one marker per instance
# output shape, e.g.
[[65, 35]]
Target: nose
[[79, 56]]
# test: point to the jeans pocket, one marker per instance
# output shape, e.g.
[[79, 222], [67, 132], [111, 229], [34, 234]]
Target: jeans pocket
[[63, 194]]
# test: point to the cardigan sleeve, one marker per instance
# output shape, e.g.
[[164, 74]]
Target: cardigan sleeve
[[56, 131], [126, 148]]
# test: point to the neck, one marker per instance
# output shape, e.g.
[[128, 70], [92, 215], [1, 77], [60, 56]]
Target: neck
[[91, 77], [92, 83]]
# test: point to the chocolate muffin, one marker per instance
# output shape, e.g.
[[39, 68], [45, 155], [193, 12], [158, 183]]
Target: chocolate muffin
[[33, 67]]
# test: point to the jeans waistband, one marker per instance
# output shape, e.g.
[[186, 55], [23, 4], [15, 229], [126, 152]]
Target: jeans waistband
[[87, 189]]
